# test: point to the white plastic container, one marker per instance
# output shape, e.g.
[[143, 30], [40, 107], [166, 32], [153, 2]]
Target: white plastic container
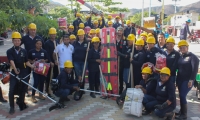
[[136, 109]]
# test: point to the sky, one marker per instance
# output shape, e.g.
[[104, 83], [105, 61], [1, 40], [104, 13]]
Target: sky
[[138, 5]]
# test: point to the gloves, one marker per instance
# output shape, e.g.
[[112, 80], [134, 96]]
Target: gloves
[[120, 54], [164, 105]]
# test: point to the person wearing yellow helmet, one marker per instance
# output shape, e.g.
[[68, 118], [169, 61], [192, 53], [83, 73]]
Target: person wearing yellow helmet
[[70, 30], [80, 49], [110, 24], [98, 32], [138, 60], [67, 83], [161, 42], [18, 59], [125, 55], [77, 22], [130, 29], [88, 22], [72, 38], [188, 65], [144, 36], [152, 50], [93, 66], [165, 101], [81, 26], [117, 24], [172, 57], [109, 18]]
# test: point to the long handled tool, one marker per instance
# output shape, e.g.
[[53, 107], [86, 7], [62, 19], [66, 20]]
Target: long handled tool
[[56, 57], [130, 75], [100, 92], [51, 76], [58, 105], [85, 61], [102, 77]]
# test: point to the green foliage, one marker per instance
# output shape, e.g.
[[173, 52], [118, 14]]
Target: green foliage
[[167, 20], [138, 16], [3, 21], [44, 24], [19, 19], [199, 18]]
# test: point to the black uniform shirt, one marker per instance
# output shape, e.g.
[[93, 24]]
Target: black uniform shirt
[[150, 86], [19, 58], [49, 47], [126, 60], [37, 55], [93, 55], [151, 55]]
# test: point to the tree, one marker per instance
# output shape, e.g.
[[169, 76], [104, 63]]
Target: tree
[[137, 17], [4, 24], [199, 18]]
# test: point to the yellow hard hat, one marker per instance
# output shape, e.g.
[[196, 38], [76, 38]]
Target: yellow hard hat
[[117, 17], [144, 34], [71, 37], [81, 32], [78, 14], [131, 37], [128, 22], [32, 26], [71, 26], [147, 70], [87, 17], [165, 70], [97, 30], [92, 31], [81, 25], [109, 17], [151, 40], [52, 31], [110, 22], [95, 22], [100, 18], [68, 64], [150, 35], [95, 39], [170, 40], [139, 42], [16, 35], [183, 43]]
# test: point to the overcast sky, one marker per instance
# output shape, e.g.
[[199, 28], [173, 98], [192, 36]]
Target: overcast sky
[[138, 3]]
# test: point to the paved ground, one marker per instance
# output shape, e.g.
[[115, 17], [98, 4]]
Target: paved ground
[[87, 108]]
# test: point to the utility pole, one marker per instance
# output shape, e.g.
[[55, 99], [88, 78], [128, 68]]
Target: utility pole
[[149, 8], [163, 11], [142, 22], [175, 15]]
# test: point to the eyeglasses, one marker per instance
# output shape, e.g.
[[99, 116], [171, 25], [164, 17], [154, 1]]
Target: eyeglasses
[[164, 75]]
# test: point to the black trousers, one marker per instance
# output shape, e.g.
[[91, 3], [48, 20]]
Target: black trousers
[[47, 81], [121, 82], [94, 80], [17, 87]]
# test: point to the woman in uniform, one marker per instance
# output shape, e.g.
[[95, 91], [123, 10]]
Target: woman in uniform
[[172, 57], [34, 55], [188, 65], [93, 66], [80, 49], [165, 101]]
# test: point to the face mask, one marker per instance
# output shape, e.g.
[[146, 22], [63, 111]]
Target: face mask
[[17, 47]]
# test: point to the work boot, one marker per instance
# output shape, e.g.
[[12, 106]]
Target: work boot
[[146, 112], [92, 95], [183, 115], [67, 99], [170, 116], [33, 99], [61, 101], [11, 111], [1, 97], [41, 97]]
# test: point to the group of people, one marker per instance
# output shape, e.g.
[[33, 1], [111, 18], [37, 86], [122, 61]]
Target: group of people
[[67, 57]]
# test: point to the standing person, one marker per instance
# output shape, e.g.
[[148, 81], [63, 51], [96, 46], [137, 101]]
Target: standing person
[[70, 30], [88, 21], [98, 33], [185, 30], [117, 24], [109, 19], [95, 24], [77, 22], [29, 42], [161, 42], [93, 66], [129, 29], [49, 47], [91, 34], [126, 50], [101, 22], [138, 60], [64, 52], [80, 49], [72, 38], [34, 55], [165, 101], [120, 42], [158, 26], [172, 57], [18, 59], [188, 65], [110, 24]]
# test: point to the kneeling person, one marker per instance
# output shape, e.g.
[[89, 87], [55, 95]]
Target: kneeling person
[[67, 84]]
